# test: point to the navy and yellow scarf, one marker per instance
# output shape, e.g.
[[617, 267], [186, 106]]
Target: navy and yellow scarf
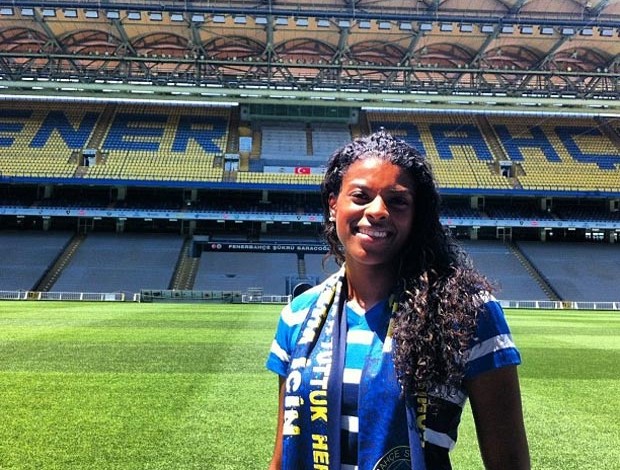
[[313, 392]]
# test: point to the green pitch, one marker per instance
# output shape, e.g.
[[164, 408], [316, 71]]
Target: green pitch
[[164, 386]]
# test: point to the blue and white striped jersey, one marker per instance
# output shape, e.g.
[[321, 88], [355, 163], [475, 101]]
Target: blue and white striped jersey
[[491, 348]]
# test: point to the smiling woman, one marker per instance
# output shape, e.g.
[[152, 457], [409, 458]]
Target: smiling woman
[[377, 362], [373, 214]]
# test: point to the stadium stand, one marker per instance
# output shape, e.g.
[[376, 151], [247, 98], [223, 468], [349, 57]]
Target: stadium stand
[[327, 137], [134, 142], [125, 262], [266, 272], [284, 140], [496, 261], [164, 143], [26, 255], [160, 143], [293, 153], [560, 154], [314, 266], [522, 210], [39, 139], [588, 213], [577, 271], [454, 145]]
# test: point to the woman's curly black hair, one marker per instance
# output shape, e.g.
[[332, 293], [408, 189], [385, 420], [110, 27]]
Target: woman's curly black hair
[[440, 296]]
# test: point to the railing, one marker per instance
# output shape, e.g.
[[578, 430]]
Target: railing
[[228, 297], [78, 296], [559, 305], [265, 299]]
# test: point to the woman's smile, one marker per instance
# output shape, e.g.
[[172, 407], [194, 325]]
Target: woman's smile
[[372, 233]]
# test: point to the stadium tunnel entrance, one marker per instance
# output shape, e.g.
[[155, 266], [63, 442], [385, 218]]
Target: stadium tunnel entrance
[[300, 289]]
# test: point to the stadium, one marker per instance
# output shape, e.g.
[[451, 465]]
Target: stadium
[[169, 154]]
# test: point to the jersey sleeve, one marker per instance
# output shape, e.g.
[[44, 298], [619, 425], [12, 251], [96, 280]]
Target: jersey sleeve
[[492, 347], [287, 332]]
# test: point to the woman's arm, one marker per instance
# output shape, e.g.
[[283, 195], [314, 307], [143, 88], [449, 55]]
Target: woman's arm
[[495, 400], [276, 459]]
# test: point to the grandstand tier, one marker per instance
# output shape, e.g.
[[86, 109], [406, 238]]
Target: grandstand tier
[[128, 263], [200, 145]]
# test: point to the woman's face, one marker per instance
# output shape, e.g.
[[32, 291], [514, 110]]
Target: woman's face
[[373, 212]]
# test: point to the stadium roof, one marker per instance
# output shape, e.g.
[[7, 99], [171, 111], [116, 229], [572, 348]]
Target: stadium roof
[[500, 54]]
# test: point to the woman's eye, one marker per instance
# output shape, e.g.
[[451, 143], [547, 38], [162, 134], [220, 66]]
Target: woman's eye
[[399, 202], [359, 197]]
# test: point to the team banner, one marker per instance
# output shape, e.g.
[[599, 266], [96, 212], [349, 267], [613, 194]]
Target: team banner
[[266, 247]]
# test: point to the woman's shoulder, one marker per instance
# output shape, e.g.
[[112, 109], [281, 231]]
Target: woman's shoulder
[[296, 310], [306, 299], [492, 315]]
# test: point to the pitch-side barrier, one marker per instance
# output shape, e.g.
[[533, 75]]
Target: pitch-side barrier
[[79, 296], [238, 297], [559, 305]]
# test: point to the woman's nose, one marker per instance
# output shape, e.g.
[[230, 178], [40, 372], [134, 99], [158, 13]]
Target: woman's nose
[[377, 208]]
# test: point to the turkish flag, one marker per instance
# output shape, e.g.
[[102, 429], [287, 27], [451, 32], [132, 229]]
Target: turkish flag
[[302, 170]]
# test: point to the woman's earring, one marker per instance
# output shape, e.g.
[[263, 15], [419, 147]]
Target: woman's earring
[[332, 218]]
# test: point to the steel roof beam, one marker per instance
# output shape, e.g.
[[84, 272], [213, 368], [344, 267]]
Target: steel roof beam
[[482, 50], [433, 13], [53, 40], [541, 65]]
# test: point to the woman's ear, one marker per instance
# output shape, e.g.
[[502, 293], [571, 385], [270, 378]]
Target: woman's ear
[[332, 207]]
